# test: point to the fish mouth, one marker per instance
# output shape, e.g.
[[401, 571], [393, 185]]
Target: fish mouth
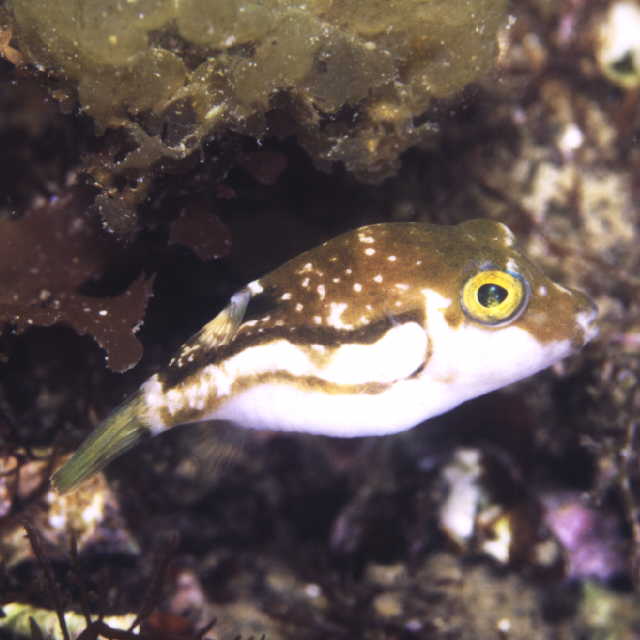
[[586, 319]]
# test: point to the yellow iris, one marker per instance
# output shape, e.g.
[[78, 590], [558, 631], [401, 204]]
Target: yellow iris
[[494, 297]]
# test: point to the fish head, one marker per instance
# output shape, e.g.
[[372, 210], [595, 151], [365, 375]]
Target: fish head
[[493, 316]]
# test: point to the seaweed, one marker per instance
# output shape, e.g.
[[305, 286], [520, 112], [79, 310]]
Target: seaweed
[[48, 255]]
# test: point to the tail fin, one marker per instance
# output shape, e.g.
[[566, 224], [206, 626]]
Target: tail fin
[[119, 432]]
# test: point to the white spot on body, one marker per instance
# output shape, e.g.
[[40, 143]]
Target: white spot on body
[[321, 289], [348, 271], [367, 239], [174, 401], [215, 377], [306, 268], [335, 280], [334, 319], [317, 319], [285, 296], [357, 287], [542, 290], [305, 283], [391, 258], [299, 307], [369, 251], [255, 287], [154, 400], [401, 286], [212, 381], [378, 278]]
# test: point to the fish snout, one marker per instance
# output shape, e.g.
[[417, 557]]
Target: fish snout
[[586, 316]]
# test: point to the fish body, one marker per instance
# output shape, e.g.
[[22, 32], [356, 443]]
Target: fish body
[[370, 333]]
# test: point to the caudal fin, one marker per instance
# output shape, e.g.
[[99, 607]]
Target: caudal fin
[[119, 432]]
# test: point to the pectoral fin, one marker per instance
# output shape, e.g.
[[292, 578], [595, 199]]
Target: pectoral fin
[[224, 326], [220, 331]]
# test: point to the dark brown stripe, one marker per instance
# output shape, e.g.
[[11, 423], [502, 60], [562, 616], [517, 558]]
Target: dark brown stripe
[[173, 375], [306, 383]]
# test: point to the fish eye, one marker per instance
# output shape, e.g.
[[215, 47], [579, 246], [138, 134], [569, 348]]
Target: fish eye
[[494, 297]]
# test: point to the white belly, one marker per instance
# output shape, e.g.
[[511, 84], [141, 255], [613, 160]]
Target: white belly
[[282, 407]]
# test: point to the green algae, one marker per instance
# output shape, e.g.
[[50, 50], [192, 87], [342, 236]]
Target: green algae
[[369, 68]]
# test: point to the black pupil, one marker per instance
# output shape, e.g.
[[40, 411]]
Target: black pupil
[[491, 295]]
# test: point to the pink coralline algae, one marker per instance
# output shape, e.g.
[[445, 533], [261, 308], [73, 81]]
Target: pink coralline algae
[[591, 539]]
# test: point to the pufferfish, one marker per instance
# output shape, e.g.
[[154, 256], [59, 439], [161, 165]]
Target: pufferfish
[[370, 333]]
